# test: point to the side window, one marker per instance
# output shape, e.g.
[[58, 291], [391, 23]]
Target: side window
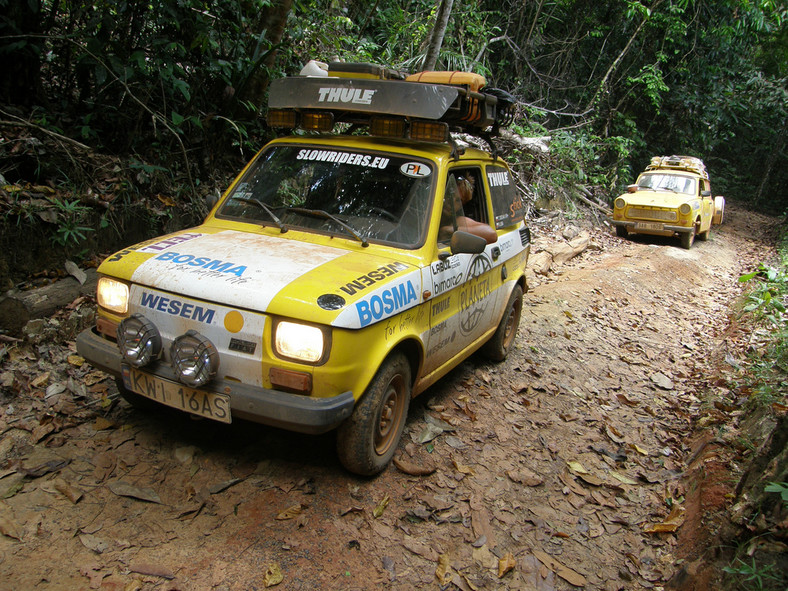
[[508, 206], [463, 202]]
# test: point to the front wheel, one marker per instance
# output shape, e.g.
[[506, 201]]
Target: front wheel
[[497, 348], [688, 238], [366, 441], [621, 231]]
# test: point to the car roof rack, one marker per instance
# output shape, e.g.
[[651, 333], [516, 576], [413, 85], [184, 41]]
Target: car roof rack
[[423, 106], [686, 163]]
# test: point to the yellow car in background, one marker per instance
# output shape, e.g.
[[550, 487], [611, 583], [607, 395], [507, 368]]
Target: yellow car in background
[[672, 197], [339, 275]]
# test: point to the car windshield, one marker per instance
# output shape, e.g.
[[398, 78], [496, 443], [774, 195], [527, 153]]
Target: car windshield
[[669, 182], [362, 195]]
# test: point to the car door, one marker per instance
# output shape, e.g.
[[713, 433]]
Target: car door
[[464, 287]]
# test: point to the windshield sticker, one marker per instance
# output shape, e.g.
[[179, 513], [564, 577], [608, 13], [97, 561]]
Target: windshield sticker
[[386, 303], [168, 242], [372, 277], [206, 263], [343, 158], [415, 170]]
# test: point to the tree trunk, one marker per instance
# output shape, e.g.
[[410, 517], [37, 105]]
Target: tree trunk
[[274, 22], [436, 39]]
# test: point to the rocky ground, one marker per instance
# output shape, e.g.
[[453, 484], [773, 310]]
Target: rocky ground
[[565, 467]]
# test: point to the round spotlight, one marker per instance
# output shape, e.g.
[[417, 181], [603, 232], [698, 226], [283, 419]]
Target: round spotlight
[[139, 340], [194, 359]]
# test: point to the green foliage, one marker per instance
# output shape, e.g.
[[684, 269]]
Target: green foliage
[[780, 488], [70, 217], [753, 577]]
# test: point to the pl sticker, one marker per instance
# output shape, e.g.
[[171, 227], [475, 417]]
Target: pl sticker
[[416, 170]]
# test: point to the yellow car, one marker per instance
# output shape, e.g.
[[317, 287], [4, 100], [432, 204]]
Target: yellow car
[[672, 197], [338, 276]]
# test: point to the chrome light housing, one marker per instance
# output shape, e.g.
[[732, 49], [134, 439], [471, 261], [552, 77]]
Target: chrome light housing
[[301, 342], [620, 203], [195, 359], [139, 340], [684, 209], [112, 295]]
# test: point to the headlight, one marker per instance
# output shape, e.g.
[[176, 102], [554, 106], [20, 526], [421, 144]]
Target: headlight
[[684, 208], [299, 341], [194, 359], [113, 295], [139, 340], [620, 203]]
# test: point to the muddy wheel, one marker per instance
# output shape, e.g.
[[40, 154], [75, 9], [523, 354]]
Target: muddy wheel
[[688, 238], [135, 400], [497, 348], [367, 440], [621, 232], [703, 236]]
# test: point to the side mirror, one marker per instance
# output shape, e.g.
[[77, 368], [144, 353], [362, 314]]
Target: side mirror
[[632, 188], [705, 193], [465, 243], [211, 200]]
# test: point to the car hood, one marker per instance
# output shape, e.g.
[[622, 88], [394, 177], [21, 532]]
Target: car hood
[[273, 274], [667, 199]]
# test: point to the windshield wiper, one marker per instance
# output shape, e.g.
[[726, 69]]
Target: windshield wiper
[[320, 213], [266, 209]]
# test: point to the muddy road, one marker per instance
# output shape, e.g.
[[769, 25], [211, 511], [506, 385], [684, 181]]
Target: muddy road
[[558, 469]]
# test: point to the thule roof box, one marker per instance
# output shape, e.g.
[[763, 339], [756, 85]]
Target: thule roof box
[[424, 106]]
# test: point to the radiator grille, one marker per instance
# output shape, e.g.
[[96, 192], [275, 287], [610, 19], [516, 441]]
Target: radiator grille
[[663, 215]]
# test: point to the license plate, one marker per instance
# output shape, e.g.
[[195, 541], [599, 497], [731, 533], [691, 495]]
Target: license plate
[[648, 226], [205, 404]]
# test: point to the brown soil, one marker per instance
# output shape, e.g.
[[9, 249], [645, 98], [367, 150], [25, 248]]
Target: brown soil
[[558, 463]]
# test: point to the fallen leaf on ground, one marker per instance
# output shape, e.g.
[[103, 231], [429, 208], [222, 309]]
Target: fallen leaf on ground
[[621, 478], [443, 572], [566, 573], [505, 564], [68, 491], [9, 528], [670, 524], [576, 468], [525, 477], [91, 542], [123, 489], [273, 575], [408, 467], [462, 468], [153, 570], [381, 507], [290, 513]]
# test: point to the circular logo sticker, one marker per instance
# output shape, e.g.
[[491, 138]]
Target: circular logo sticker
[[415, 170]]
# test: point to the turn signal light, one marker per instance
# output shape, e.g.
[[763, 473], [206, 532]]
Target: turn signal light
[[281, 118], [387, 127], [317, 121], [429, 131]]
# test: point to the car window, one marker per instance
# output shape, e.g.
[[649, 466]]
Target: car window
[[669, 182], [382, 197]]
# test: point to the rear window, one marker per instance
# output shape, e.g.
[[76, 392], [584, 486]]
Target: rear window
[[507, 204]]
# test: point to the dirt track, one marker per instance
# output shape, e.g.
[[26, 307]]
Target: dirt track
[[555, 465]]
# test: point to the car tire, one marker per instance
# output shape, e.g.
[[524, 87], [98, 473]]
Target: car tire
[[136, 400], [703, 236], [621, 232], [366, 441], [688, 238], [499, 345]]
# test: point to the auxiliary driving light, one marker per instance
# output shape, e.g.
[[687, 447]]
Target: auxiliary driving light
[[139, 340], [194, 359]]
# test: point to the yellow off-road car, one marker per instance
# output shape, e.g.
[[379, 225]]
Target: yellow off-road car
[[671, 197], [335, 278]]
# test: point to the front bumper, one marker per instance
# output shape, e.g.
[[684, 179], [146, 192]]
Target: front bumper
[[295, 412], [666, 228]]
